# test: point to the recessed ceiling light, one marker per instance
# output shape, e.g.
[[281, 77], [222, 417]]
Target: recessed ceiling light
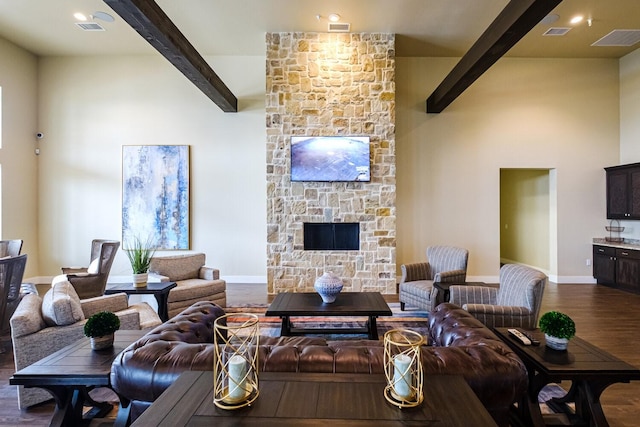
[[80, 16], [576, 19], [334, 17]]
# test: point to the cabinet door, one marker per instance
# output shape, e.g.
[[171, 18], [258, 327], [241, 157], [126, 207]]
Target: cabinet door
[[604, 265], [634, 194], [628, 270], [617, 194]]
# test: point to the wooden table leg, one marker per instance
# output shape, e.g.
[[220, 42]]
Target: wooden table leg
[[163, 311], [285, 329], [372, 327]]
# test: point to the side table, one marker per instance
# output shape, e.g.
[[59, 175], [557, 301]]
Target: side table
[[71, 372], [590, 369], [159, 290]]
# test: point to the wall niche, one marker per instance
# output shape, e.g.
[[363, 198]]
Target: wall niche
[[326, 84]]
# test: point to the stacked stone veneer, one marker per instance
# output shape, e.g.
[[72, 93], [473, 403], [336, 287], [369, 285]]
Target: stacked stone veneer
[[323, 84]]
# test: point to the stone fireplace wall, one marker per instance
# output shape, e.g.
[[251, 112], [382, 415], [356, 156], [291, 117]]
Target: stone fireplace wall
[[325, 84]]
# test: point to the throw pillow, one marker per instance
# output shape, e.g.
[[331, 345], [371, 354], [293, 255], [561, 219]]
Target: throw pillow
[[94, 266], [61, 305]]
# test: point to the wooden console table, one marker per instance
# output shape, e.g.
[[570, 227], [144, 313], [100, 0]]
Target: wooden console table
[[297, 399]]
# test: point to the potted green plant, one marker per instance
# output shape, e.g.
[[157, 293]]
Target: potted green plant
[[100, 328], [558, 329], [140, 254]]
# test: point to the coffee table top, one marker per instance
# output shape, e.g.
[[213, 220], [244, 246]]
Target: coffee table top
[[296, 399], [76, 364], [346, 304], [151, 288], [581, 359]]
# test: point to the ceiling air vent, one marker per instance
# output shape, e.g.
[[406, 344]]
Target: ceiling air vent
[[556, 31], [90, 26], [619, 38], [339, 27]]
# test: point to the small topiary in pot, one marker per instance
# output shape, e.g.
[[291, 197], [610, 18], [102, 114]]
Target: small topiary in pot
[[558, 329], [100, 328]]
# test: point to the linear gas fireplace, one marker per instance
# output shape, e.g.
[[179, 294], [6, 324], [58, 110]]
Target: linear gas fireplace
[[336, 236]]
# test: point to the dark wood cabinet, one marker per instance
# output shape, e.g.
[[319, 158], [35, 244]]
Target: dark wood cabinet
[[604, 264], [623, 191], [617, 267], [628, 269]]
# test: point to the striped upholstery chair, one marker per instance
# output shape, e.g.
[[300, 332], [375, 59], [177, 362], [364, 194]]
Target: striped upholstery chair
[[444, 264], [516, 303]]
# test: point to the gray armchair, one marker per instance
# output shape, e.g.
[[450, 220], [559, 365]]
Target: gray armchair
[[515, 303], [444, 264], [91, 281], [10, 247], [11, 272]]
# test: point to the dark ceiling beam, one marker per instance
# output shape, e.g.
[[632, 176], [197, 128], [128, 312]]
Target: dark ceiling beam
[[146, 17], [515, 20]]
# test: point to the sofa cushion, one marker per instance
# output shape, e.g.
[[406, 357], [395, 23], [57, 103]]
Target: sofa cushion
[[178, 267], [27, 318], [61, 305]]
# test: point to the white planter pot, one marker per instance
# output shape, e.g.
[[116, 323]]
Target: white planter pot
[[103, 342], [556, 343], [140, 280]]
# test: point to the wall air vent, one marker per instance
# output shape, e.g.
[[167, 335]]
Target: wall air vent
[[556, 31], [90, 26], [619, 38], [339, 27]]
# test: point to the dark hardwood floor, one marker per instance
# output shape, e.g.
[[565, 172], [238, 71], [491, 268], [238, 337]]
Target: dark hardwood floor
[[606, 317]]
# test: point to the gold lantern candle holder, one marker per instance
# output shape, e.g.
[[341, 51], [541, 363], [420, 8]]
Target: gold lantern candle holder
[[235, 367], [403, 368]]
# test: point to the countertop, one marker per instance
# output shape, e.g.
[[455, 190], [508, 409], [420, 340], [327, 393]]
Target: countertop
[[626, 244]]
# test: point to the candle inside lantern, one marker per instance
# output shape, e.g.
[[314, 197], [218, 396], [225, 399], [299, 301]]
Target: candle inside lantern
[[402, 375], [237, 372]]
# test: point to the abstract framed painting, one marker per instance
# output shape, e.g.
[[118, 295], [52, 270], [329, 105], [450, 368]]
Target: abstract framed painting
[[155, 195]]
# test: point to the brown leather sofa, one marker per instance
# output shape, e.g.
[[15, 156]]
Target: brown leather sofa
[[458, 344]]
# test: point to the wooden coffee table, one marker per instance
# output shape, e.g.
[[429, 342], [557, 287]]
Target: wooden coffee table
[[160, 290], [70, 373], [298, 399], [590, 369], [369, 304]]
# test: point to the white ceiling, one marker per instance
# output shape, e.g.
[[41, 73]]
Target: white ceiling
[[237, 27]]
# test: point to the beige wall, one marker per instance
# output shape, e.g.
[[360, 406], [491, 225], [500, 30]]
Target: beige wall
[[630, 123], [91, 107], [522, 113], [524, 217], [18, 162]]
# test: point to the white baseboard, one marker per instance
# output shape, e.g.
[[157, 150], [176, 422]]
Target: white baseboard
[[262, 280]]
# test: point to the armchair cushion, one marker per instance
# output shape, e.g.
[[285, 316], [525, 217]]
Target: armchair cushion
[[61, 305], [461, 295]]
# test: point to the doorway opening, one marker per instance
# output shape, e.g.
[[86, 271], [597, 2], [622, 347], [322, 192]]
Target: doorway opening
[[528, 218]]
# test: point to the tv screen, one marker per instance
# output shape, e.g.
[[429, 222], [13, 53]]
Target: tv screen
[[330, 158]]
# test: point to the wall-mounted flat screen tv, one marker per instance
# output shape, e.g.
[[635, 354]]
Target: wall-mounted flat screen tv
[[330, 158]]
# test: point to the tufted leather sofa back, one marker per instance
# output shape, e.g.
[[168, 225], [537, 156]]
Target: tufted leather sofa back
[[459, 345]]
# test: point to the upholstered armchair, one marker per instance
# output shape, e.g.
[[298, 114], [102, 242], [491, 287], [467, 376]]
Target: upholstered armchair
[[444, 264], [91, 281], [42, 325], [11, 273], [195, 282], [10, 247], [515, 303]]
